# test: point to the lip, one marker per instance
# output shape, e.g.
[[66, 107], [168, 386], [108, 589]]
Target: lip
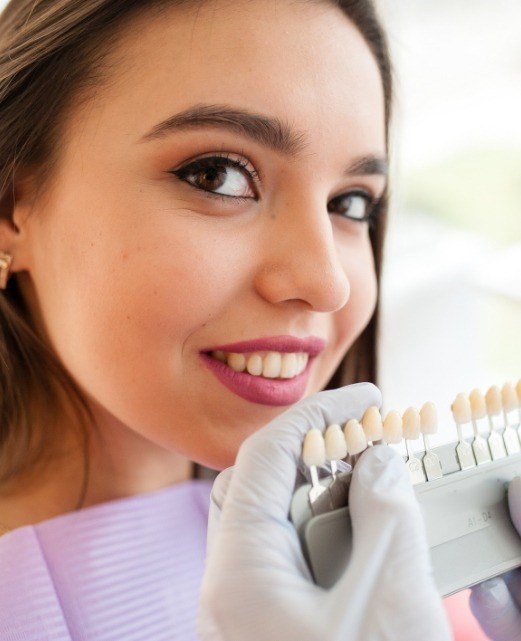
[[256, 389], [311, 345]]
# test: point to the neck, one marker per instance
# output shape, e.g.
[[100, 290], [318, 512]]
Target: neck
[[120, 463]]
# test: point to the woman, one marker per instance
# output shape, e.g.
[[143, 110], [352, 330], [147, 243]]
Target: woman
[[193, 202]]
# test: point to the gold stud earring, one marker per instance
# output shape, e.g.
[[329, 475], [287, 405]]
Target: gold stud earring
[[5, 264]]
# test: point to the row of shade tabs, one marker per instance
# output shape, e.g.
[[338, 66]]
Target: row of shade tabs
[[496, 414]]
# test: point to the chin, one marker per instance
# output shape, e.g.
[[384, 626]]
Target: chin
[[218, 460]]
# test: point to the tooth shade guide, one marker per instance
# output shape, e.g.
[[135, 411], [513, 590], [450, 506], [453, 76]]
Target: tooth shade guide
[[314, 456], [511, 433], [428, 418], [461, 409], [411, 423], [480, 446], [428, 426], [461, 412], [411, 431], [415, 467], [493, 401], [511, 440], [509, 398], [336, 448], [392, 428], [481, 451], [372, 424], [465, 455], [355, 438], [314, 449], [478, 404], [496, 445]]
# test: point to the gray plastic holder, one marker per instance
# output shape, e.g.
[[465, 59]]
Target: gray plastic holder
[[469, 531]]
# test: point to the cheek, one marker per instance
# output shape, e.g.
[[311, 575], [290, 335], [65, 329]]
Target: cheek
[[351, 320]]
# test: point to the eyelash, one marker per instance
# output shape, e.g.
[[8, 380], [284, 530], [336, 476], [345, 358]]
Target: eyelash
[[207, 162], [224, 160]]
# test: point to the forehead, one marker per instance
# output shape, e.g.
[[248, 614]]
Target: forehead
[[303, 62]]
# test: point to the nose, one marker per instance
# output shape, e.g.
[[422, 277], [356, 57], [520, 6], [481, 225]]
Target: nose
[[301, 260]]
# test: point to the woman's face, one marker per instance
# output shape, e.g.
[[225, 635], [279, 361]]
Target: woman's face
[[208, 200]]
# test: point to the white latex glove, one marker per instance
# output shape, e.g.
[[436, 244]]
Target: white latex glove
[[496, 603], [257, 586]]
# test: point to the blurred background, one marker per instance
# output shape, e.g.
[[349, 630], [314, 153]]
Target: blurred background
[[452, 281]]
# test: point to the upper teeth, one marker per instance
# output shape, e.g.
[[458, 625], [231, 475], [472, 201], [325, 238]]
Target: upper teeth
[[267, 364]]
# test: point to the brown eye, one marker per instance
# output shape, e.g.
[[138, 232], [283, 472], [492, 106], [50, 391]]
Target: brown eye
[[220, 176], [356, 205], [210, 179]]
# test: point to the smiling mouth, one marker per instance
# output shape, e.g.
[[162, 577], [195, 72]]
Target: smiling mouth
[[264, 364]]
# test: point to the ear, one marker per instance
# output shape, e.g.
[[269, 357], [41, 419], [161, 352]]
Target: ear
[[15, 209]]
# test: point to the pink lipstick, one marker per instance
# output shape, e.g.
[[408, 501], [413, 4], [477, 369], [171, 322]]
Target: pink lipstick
[[260, 389]]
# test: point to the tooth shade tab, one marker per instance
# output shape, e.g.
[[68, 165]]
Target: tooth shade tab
[[428, 418], [461, 409], [392, 427], [372, 424], [478, 405], [509, 397], [314, 450], [356, 440], [493, 400], [411, 423], [336, 447]]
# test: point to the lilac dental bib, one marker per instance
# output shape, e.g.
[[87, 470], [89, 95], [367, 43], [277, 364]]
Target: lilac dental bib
[[126, 570]]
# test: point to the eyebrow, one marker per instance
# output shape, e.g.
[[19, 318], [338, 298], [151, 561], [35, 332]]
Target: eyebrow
[[270, 132]]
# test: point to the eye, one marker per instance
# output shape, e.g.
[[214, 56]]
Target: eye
[[355, 205], [219, 175]]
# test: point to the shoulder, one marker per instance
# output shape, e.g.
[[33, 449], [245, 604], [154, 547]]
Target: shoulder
[[29, 607]]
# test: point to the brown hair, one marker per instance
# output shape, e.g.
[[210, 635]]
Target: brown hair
[[51, 53]]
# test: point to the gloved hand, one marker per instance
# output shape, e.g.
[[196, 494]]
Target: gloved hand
[[496, 603], [257, 586]]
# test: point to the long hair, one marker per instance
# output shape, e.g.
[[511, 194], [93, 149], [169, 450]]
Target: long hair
[[51, 53]]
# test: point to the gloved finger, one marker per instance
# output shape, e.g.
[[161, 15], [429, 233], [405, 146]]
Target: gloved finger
[[383, 505], [513, 581], [220, 487], [494, 608], [514, 502], [266, 466], [390, 558], [217, 498]]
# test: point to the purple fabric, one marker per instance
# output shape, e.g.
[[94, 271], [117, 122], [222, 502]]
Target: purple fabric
[[126, 570]]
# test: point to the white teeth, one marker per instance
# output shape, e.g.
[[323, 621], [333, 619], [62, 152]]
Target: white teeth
[[290, 366], [237, 362], [254, 365], [268, 365], [272, 365]]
